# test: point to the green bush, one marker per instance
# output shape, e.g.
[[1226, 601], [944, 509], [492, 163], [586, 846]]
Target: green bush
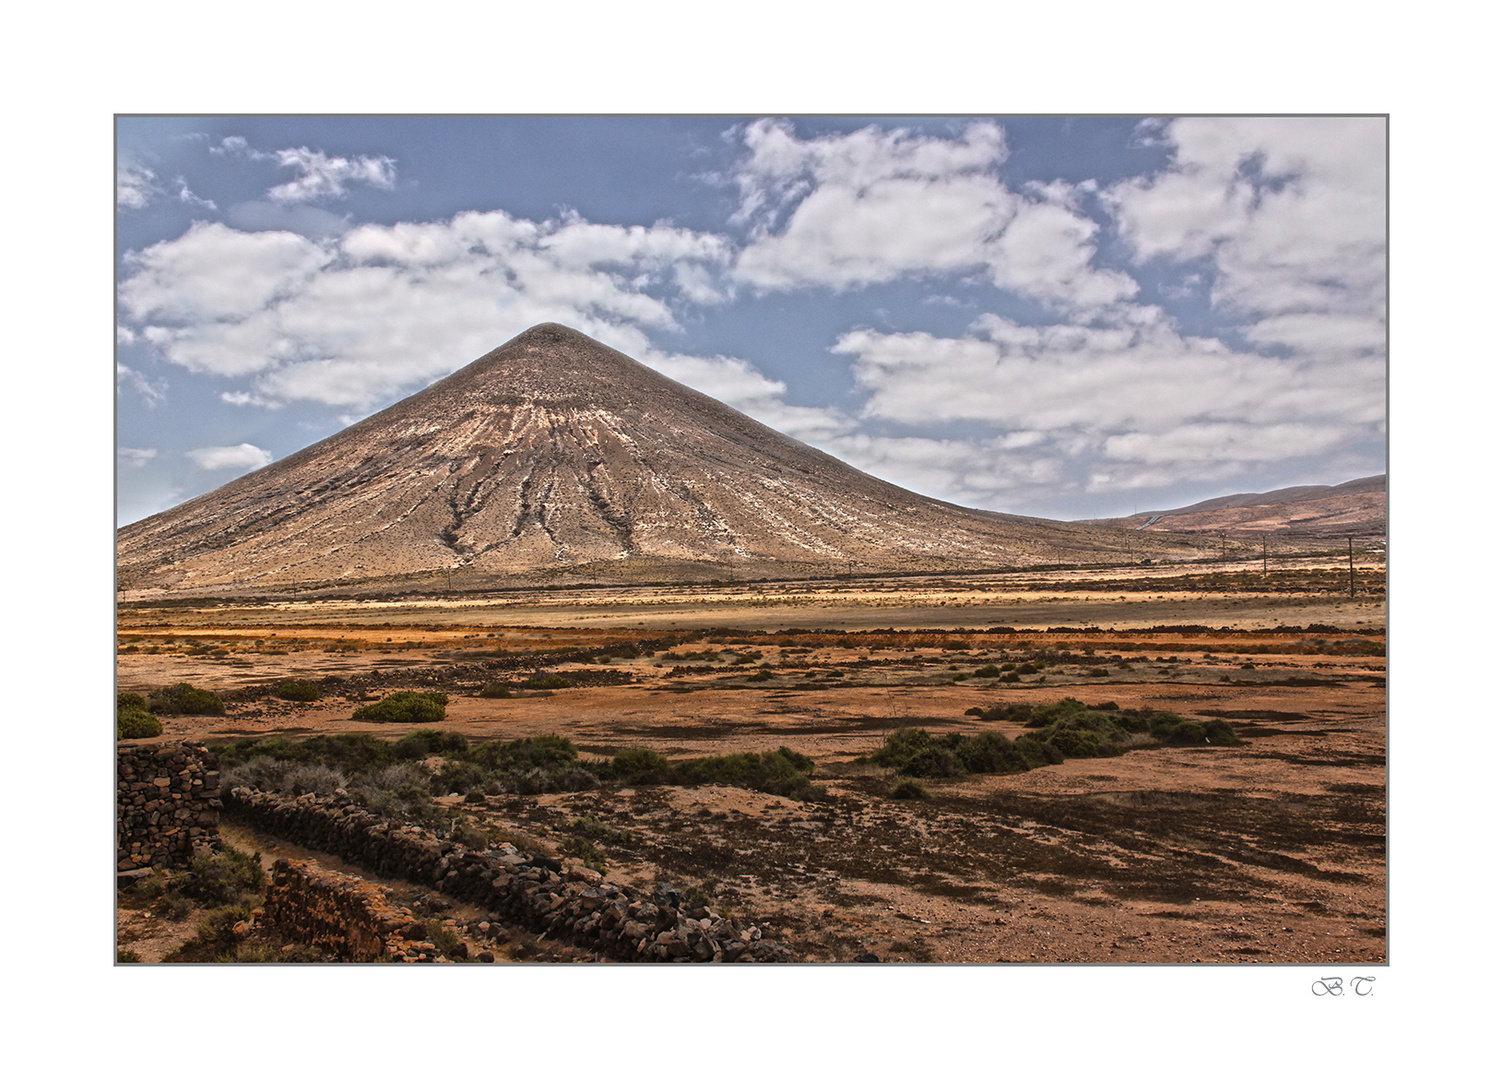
[[1017, 712], [990, 752], [459, 777], [990, 671], [637, 766], [537, 752], [933, 761], [777, 772], [397, 791], [298, 690], [405, 707], [911, 789], [230, 876], [133, 722], [1174, 730], [901, 745], [429, 742], [185, 700], [548, 682], [353, 752]]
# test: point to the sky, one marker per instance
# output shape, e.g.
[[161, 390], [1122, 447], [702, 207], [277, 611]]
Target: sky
[[1066, 317]]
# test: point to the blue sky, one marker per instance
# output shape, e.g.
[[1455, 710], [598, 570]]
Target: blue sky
[[1062, 316]]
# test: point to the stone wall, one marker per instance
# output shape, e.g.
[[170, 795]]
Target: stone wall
[[342, 915], [573, 905], [166, 804]]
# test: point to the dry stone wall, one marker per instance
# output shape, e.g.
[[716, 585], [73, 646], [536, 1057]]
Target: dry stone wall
[[166, 804], [573, 905], [343, 916]]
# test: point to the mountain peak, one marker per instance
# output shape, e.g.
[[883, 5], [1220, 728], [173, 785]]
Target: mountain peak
[[556, 453]]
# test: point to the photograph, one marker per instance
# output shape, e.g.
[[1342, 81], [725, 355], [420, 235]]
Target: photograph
[[820, 539]]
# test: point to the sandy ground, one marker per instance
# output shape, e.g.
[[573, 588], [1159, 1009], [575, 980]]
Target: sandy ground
[[1272, 851]]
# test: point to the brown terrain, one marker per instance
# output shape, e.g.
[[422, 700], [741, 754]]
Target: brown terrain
[[638, 567], [1271, 851]]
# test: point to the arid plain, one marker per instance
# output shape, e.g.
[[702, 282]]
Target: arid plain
[[1272, 850]]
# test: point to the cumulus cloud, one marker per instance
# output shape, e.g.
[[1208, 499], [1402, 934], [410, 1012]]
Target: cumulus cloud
[[352, 319], [1046, 253], [1105, 397], [215, 273], [844, 211], [1006, 470], [243, 457], [1291, 212]]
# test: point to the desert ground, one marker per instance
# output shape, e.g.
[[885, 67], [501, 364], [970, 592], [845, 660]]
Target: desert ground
[[1271, 851]]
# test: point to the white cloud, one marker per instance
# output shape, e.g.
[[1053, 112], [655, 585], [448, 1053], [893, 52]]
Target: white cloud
[[1046, 253], [215, 273], [781, 167], [726, 379], [135, 185], [186, 196], [319, 176], [840, 235], [849, 210], [1291, 210], [134, 458], [1321, 332], [354, 319], [127, 376], [1096, 398], [323, 177], [241, 397], [999, 471], [244, 457], [1140, 378], [233, 146]]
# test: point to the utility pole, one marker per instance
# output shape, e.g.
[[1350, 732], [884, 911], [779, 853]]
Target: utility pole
[[1351, 566], [1265, 556]]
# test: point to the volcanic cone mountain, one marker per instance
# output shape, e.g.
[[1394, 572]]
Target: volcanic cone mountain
[[556, 455]]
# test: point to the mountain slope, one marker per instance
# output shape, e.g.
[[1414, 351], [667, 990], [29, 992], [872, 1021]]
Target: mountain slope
[[1355, 508], [553, 453]]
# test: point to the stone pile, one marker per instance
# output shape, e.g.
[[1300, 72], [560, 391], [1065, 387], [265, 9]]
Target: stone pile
[[166, 804], [574, 904], [343, 916]]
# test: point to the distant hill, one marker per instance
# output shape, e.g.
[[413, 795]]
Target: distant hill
[[1357, 508], [556, 456]]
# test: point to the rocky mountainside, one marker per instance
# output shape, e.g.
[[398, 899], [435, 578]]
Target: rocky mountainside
[[1357, 508], [555, 455]]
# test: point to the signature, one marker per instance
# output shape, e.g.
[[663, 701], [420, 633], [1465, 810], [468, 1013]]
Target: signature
[[1333, 986]]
